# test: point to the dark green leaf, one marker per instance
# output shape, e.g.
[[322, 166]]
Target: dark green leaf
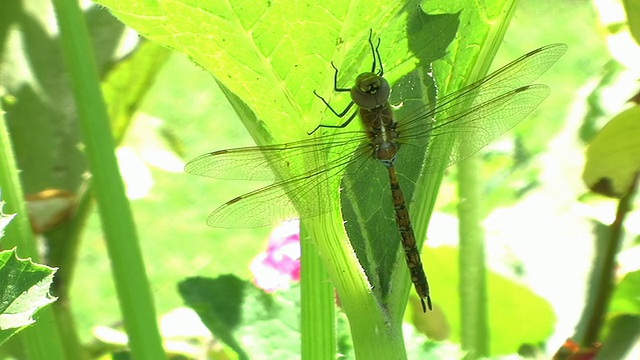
[[251, 322], [24, 291]]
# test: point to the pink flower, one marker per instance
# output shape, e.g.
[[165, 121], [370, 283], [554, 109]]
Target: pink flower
[[276, 268]]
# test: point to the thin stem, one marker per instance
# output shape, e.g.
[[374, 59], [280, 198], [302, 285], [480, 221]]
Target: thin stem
[[318, 322], [123, 248], [605, 279], [42, 340], [473, 272]]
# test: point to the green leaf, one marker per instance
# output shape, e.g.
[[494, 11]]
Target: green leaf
[[24, 291], [129, 81], [5, 219], [36, 76], [516, 314], [43, 341], [623, 341], [632, 8], [625, 298], [254, 324], [237, 43], [613, 157]]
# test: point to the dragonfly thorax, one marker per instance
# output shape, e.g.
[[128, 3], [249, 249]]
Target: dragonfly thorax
[[371, 91], [382, 133]]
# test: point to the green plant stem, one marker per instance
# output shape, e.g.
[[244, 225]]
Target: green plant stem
[[65, 253], [18, 233], [605, 279], [475, 336], [473, 272], [134, 74], [42, 340], [128, 269], [318, 324], [367, 322]]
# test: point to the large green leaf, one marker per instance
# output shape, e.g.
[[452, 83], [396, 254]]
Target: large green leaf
[[517, 315], [24, 291], [613, 155], [276, 67], [236, 311], [269, 72], [34, 74]]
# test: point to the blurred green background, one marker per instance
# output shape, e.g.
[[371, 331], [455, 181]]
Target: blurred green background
[[539, 232]]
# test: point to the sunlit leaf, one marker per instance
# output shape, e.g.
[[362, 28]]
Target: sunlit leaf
[[613, 157]]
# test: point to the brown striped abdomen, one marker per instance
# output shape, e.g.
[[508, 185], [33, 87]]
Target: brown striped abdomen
[[412, 254]]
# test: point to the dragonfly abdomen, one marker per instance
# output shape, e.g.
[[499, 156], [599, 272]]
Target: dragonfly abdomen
[[412, 254], [383, 134]]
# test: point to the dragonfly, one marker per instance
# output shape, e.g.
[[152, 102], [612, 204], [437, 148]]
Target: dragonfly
[[471, 117]]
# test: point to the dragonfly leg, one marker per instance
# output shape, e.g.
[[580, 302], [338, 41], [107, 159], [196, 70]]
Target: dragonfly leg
[[340, 115], [375, 52]]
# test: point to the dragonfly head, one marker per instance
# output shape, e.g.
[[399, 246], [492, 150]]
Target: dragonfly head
[[371, 90]]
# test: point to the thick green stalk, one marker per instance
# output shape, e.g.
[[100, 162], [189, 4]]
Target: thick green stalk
[[318, 322], [42, 340], [473, 272], [368, 324], [128, 269]]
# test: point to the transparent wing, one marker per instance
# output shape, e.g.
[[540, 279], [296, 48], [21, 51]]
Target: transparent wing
[[474, 115], [471, 130], [518, 73], [479, 113], [306, 195], [273, 162]]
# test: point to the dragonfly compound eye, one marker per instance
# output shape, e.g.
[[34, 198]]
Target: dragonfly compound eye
[[370, 91]]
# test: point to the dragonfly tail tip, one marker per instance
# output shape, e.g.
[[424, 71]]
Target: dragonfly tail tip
[[426, 305]]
